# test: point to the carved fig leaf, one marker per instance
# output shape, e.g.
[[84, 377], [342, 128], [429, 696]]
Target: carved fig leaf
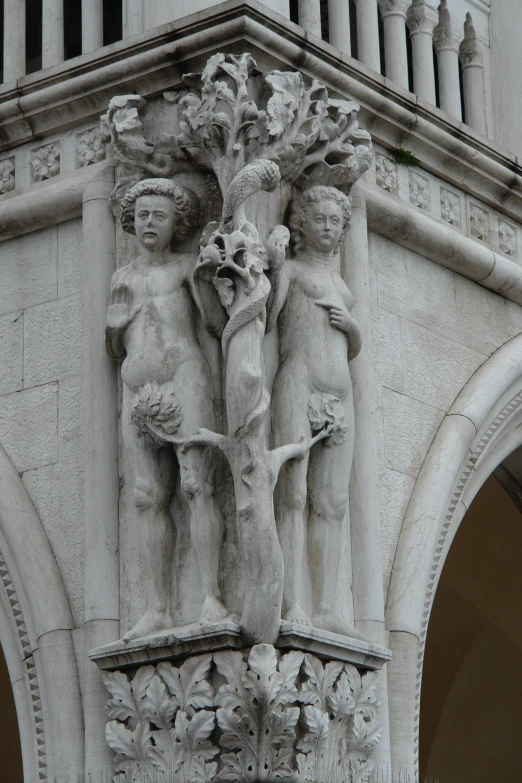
[[187, 684], [320, 681], [288, 90], [122, 705], [157, 706]]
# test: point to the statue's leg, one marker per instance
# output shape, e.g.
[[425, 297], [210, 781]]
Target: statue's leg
[[153, 469], [290, 424], [328, 488], [206, 525]]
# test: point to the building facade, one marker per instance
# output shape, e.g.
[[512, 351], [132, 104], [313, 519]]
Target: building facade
[[420, 107]]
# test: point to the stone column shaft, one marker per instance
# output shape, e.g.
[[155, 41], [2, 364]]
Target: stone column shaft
[[339, 25], [14, 39], [368, 49], [364, 504], [472, 62], [309, 16], [92, 25], [446, 42], [52, 33], [132, 17], [393, 14], [101, 462], [421, 21]]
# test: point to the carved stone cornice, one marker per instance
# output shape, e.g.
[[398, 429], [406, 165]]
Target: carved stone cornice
[[393, 8], [445, 36], [470, 52], [421, 17]]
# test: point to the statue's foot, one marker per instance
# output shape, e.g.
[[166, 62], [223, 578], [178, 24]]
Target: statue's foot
[[213, 611], [151, 622], [335, 623], [296, 615]]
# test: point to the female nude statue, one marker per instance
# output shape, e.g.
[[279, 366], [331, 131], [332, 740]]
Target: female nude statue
[[168, 395], [318, 334]]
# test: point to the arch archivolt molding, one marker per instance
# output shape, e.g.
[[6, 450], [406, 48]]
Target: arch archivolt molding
[[486, 444], [34, 697]]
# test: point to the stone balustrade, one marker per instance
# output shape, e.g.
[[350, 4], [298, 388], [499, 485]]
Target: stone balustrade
[[422, 45]]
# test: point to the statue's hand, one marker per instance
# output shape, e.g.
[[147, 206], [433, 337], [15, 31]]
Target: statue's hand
[[339, 317], [121, 310], [276, 244]]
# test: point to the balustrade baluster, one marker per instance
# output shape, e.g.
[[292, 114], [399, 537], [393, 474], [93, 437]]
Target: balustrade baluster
[[446, 41], [52, 32], [393, 14], [14, 39], [368, 49], [92, 25], [422, 19], [472, 61]]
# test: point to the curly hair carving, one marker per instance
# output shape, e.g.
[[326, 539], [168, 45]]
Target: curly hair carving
[[301, 206], [186, 206]]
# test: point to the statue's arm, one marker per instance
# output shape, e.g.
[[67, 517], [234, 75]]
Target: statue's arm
[[354, 338], [120, 313], [279, 285]]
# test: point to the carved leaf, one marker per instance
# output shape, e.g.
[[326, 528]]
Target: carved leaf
[[368, 704], [342, 699], [288, 89], [232, 694], [193, 736], [263, 680], [122, 705], [187, 684], [129, 745], [320, 681], [289, 666], [166, 755], [157, 706]]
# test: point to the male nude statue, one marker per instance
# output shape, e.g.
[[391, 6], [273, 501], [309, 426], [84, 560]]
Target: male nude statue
[[168, 396], [318, 334]]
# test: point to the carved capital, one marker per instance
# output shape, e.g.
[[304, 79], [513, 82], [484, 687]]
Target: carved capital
[[470, 52], [242, 716], [445, 36], [393, 8], [421, 18]]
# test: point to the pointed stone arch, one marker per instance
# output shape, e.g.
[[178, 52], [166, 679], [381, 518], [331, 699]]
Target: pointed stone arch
[[35, 632], [482, 427]]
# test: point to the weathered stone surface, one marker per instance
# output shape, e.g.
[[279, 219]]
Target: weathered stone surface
[[435, 368], [53, 334], [387, 349], [70, 257], [70, 420], [394, 494], [57, 493], [29, 426], [29, 275], [440, 300], [11, 352], [409, 427]]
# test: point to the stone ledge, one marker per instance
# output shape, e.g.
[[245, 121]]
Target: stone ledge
[[195, 639]]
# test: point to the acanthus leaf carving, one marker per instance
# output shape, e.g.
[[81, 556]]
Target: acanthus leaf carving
[[275, 716]]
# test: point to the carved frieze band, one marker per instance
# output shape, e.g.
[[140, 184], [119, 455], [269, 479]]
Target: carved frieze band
[[30, 667], [238, 716]]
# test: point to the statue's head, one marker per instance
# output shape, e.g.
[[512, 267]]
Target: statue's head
[[319, 218], [158, 209]]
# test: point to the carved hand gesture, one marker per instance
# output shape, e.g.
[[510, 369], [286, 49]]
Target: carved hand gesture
[[339, 317], [121, 310]]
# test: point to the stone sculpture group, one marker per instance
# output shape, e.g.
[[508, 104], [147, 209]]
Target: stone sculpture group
[[286, 430], [241, 286]]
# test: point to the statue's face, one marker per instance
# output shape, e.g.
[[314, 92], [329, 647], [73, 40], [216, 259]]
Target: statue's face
[[154, 221], [323, 228]]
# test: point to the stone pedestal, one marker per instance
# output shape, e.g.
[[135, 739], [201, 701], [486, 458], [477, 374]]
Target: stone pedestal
[[193, 704]]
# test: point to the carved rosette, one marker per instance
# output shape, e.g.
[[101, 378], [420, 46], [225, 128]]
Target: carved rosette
[[244, 716], [45, 162]]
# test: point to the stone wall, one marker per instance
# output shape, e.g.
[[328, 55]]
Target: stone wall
[[41, 406]]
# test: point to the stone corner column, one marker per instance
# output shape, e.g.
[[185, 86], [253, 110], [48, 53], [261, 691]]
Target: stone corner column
[[446, 40], [101, 463], [393, 14], [472, 61], [421, 19], [309, 16]]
